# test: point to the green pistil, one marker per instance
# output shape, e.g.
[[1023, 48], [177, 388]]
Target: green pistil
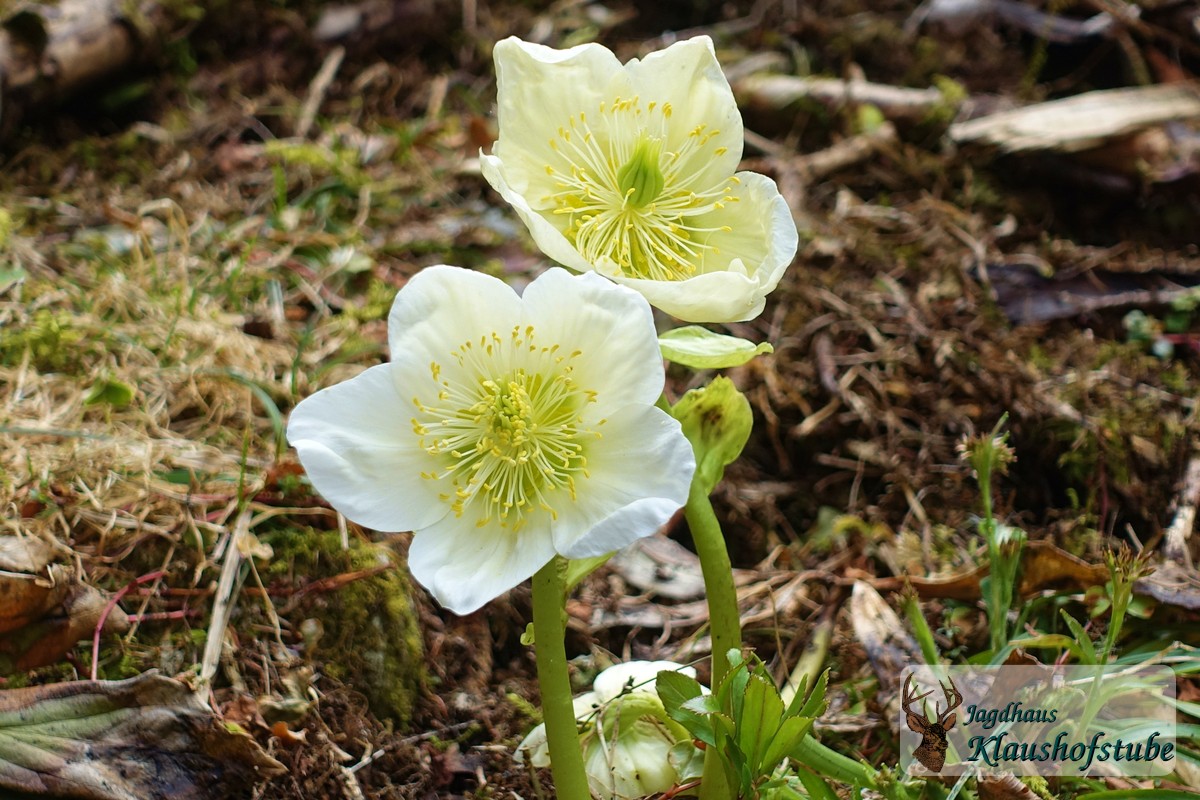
[[640, 180]]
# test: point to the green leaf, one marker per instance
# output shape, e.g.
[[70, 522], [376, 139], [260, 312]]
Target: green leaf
[[761, 717], [717, 420], [110, 391], [674, 689], [784, 742], [10, 275], [814, 785], [1086, 646], [580, 568], [814, 703], [1139, 794], [699, 348], [679, 695], [733, 688]]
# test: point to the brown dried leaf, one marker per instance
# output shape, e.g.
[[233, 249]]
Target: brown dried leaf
[[29, 586], [1043, 566], [146, 738], [45, 640], [44, 608]]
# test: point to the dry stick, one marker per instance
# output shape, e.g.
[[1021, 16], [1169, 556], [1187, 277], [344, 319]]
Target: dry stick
[[227, 587], [318, 88], [1175, 540], [108, 607]]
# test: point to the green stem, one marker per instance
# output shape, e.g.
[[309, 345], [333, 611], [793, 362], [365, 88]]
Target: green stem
[[833, 764], [724, 621], [558, 712]]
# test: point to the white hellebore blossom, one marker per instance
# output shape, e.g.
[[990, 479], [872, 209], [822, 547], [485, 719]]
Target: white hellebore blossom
[[628, 170], [504, 430], [631, 748]]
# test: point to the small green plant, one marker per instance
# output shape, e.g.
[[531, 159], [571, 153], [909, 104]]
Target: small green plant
[[745, 720], [990, 455]]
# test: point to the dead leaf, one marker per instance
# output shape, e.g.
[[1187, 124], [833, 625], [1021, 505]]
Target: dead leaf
[[44, 608], [661, 565], [146, 738], [29, 586], [44, 641], [1173, 584], [1004, 786], [889, 646], [1043, 566]]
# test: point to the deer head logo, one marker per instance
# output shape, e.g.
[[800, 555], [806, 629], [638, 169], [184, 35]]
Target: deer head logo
[[932, 752]]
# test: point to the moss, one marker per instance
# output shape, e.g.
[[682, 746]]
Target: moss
[[370, 639], [53, 345]]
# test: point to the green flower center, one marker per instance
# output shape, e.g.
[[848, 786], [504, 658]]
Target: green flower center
[[627, 199], [508, 440], [640, 180]]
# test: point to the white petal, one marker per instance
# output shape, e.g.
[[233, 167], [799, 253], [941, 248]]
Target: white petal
[[440, 308], [538, 90], [356, 444], [535, 746], [711, 297], [763, 234], [464, 566], [548, 238], [688, 76], [753, 257], [613, 681], [612, 326], [640, 472]]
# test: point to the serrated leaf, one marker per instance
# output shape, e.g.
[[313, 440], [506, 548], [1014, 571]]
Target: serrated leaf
[[813, 704], [677, 692], [785, 740], [674, 689], [699, 348], [761, 717], [704, 704]]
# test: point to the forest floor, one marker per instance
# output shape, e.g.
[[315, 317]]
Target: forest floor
[[191, 250]]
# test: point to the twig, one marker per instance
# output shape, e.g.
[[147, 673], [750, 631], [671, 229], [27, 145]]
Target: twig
[[108, 607], [227, 587], [318, 88], [1175, 541]]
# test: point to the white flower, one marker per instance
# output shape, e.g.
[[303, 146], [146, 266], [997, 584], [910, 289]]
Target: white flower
[[629, 171], [627, 738], [504, 430]]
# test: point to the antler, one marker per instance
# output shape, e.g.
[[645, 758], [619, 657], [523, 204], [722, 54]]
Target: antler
[[954, 699], [909, 697]]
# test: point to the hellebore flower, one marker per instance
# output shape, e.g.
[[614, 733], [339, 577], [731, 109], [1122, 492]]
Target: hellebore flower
[[629, 171], [631, 748], [505, 429]]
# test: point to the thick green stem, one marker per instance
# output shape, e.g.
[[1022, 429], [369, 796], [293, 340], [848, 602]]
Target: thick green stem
[[562, 734], [724, 621], [833, 764], [725, 624]]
